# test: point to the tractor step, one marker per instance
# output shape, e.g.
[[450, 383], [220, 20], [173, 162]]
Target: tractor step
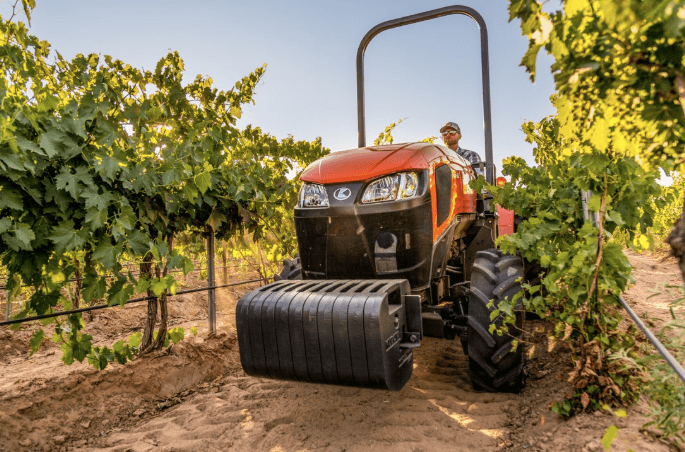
[[358, 333]]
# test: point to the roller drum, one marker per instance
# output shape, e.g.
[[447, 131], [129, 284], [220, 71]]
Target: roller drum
[[343, 332]]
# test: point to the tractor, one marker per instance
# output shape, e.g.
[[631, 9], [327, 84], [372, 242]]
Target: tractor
[[394, 245]]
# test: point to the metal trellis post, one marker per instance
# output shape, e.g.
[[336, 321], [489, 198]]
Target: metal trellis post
[[211, 282]]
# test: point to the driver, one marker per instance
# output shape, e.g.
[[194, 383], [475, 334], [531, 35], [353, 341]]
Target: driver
[[451, 134]]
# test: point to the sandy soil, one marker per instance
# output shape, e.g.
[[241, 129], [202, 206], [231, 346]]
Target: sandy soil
[[195, 396]]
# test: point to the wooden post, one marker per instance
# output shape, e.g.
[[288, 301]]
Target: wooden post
[[8, 312], [211, 281]]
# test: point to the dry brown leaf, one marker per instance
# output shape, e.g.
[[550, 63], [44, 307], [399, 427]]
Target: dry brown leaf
[[581, 383], [584, 400], [551, 343], [568, 330]]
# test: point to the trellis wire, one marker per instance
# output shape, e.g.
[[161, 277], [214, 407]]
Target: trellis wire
[[133, 300]]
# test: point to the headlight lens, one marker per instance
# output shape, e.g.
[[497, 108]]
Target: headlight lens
[[313, 195], [391, 188]]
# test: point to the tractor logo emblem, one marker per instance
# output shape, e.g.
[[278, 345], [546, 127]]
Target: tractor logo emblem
[[342, 194]]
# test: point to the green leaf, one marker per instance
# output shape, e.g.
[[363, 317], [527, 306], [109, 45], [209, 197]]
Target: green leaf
[[573, 7], [143, 284], [10, 199], [494, 314], [187, 265], [127, 218], [529, 60], [120, 292], [135, 340], [162, 249], [171, 283], [41, 302], [66, 238], [93, 287], [514, 345], [12, 161], [122, 353], [189, 192], [158, 286], [20, 237], [139, 242], [51, 142], [615, 216], [36, 340], [5, 224], [193, 330], [70, 182], [23, 235], [609, 436], [169, 177], [106, 253], [203, 182], [599, 134], [216, 219], [67, 354], [595, 203], [176, 334], [108, 166], [621, 413], [95, 199], [96, 218]]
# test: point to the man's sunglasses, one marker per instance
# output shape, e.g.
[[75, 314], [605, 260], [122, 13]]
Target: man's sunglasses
[[449, 132]]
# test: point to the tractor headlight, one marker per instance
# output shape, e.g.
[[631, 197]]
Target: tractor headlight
[[313, 195], [391, 188]]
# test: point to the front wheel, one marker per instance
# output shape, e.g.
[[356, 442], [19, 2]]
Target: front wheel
[[492, 363]]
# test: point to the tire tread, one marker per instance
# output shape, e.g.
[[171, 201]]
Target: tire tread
[[492, 364]]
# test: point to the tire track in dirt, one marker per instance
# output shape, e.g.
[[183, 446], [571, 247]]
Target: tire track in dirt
[[436, 411]]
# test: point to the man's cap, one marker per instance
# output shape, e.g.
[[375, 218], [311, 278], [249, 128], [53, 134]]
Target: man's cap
[[451, 125]]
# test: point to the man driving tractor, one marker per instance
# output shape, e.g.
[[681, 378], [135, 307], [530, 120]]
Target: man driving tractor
[[451, 134]]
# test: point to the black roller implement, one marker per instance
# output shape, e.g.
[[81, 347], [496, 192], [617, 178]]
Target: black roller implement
[[359, 333]]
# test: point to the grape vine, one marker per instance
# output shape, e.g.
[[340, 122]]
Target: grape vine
[[101, 161], [620, 78]]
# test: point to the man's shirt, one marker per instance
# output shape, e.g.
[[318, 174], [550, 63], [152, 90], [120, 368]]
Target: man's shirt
[[471, 156]]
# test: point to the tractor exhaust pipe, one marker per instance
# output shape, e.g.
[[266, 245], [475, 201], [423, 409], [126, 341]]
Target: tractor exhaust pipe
[[485, 69]]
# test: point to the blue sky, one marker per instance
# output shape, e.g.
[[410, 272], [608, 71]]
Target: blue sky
[[428, 73]]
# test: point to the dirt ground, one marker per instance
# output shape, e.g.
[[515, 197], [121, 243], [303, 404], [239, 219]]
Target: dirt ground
[[195, 396]]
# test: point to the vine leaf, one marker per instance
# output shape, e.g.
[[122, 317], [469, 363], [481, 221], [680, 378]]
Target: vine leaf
[[93, 287], [5, 224], [36, 340], [609, 436], [21, 240], [139, 242], [203, 181], [10, 199], [70, 182], [106, 253], [94, 198], [66, 238]]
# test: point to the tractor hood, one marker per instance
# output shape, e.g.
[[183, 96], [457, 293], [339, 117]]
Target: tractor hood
[[365, 164]]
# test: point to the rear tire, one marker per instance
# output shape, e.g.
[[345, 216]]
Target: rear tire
[[292, 269], [492, 364]]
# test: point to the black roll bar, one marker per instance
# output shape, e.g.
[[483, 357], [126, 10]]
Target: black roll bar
[[485, 69]]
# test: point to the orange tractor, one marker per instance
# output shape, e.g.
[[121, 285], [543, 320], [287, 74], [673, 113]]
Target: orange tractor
[[394, 245]]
